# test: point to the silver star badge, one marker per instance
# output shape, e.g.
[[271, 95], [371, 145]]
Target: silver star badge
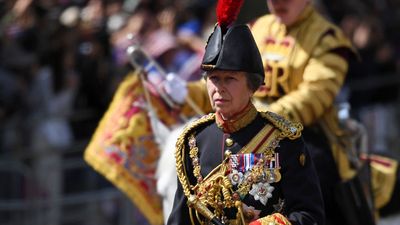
[[262, 192]]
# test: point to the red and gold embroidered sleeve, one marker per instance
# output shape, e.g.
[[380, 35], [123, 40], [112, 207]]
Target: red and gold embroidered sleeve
[[275, 219]]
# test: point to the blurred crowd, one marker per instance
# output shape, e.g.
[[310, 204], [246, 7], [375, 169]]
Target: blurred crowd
[[62, 60]]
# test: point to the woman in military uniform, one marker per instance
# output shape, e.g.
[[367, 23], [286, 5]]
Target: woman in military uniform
[[238, 165]]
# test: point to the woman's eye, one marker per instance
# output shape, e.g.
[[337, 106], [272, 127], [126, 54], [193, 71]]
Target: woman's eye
[[213, 78]]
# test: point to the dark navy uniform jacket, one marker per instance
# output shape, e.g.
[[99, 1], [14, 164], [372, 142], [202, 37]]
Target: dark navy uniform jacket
[[298, 188]]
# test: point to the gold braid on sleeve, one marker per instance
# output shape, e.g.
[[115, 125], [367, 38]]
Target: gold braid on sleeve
[[289, 129]]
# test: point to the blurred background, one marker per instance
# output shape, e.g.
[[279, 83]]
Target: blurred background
[[62, 60]]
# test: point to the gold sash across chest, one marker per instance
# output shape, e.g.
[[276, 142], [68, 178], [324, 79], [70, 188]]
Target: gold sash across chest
[[267, 138]]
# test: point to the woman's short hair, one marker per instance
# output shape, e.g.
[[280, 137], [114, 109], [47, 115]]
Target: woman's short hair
[[254, 81]]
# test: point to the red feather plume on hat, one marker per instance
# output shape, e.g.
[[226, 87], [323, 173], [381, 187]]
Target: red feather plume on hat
[[227, 11]]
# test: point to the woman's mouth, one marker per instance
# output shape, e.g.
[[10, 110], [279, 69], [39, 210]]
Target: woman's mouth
[[220, 101]]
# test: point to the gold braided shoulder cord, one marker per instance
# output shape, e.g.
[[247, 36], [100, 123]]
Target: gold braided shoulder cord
[[210, 193], [289, 129], [180, 152]]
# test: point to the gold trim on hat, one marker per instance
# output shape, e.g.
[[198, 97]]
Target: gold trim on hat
[[207, 67]]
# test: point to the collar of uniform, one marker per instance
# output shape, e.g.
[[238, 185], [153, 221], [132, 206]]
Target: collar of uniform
[[242, 119]]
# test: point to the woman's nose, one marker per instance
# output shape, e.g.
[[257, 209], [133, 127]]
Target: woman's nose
[[219, 86]]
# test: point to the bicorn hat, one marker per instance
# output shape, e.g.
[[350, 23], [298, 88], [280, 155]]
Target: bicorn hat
[[232, 46]]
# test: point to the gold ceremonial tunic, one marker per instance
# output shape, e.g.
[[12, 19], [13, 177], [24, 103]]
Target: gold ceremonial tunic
[[304, 68]]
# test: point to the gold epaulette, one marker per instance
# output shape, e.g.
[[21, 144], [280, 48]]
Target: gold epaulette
[[289, 129], [180, 147]]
